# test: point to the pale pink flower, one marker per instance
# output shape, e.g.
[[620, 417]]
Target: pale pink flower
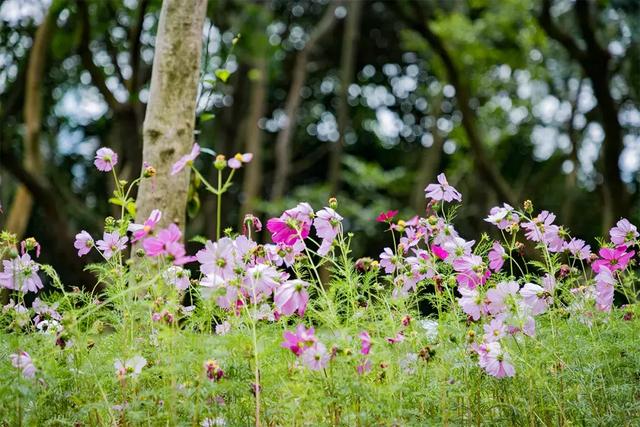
[[364, 367], [106, 159], [316, 357], [365, 340], [497, 362], [578, 248], [535, 297], [292, 296], [471, 302], [178, 277], [497, 256], [130, 368], [605, 285], [471, 271], [538, 226], [167, 243], [624, 233], [185, 160], [503, 217], [327, 224], [21, 274], [217, 258], [22, 361], [389, 261], [495, 330], [142, 230], [261, 280], [83, 243], [442, 190], [111, 243], [236, 161], [457, 247], [500, 296]]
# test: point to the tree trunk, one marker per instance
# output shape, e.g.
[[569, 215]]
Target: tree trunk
[[258, 105], [292, 104], [349, 50], [428, 169], [18, 216], [170, 117]]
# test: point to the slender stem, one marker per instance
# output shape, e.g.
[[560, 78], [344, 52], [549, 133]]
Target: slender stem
[[219, 197]]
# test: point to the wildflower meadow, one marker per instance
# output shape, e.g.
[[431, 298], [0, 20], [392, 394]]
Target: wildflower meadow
[[526, 326]]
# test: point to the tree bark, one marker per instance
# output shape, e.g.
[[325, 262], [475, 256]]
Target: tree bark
[[258, 105], [348, 59], [292, 104], [170, 117], [20, 212]]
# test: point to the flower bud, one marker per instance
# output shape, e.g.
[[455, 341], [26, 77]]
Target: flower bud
[[528, 206], [333, 203], [149, 172], [220, 162]]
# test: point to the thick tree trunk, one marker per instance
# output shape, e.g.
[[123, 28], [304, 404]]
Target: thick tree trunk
[[20, 212], [349, 50], [258, 105], [292, 104], [170, 116]]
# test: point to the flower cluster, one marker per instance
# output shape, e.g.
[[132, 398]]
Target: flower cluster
[[305, 345]]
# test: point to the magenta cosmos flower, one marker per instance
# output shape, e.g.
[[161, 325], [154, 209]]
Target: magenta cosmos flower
[[236, 161], [83, 243], [316, 357], [386, 216], [111, 243], [624, 233], [327, 224], [442, 191], [294, 224], [612, 258], [186, 159], [106, 159], [22, 361], [21, 274], [142, 230], [365, 341], [299, 341], [292, 296]]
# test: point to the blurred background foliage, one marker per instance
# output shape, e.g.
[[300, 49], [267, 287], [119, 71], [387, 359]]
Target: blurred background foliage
[[365, 100]]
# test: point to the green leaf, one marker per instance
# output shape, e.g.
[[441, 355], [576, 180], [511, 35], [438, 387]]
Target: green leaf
[[115, 201], [205, 117], [223, 75], [199, 239], [131, 208]]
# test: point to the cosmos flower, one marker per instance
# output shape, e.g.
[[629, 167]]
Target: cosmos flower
[[294, 224], [327, 224], [130, 368], [106, 159], [185, 160], [316, 357], [84, 243], [292, 296], [612, 258], [21, 274], [22, 360], [111, 243], [442, 191], [142, 230], [236, 161], [624, 233]]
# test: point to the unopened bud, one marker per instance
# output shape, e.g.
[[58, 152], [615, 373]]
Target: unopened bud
[[528, 206], [220, 162], [333, 203], [149, 172]]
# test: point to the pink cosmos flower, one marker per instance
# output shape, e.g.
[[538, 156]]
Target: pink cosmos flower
[[535, 297], [471, 302], [21, 274], [495, 330], [142, 230], [130, 368], [364, 367], [217, 258], [83, 243], [327, 224], [167, 243], [111, 243], [578, 248], [365, 340], [178, 277], [538, 226], [261, 280], [439, 252], [397, 339], [292, 225], [292, 296], [503, 217], [605, 283], [553, 239], [299, 341], [497, 362], [22, 361], [624, 233], [316, 357], [457, 247], [106, 159], [442, 191], [471, 271], [186, 159], [386, 216], [389, 261], [236, 161], [497, 257], [499, 296], [613, 259]]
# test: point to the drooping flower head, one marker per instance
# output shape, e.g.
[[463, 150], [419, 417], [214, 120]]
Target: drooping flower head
[[624, 233], [605, 285], [106, 159], [21, 274], [111, 243], [142, 230], [236, 161], [84, 243], [442, 191], [292, 296], [185, 160], [22, 360], [503, 217], [294, 224]]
